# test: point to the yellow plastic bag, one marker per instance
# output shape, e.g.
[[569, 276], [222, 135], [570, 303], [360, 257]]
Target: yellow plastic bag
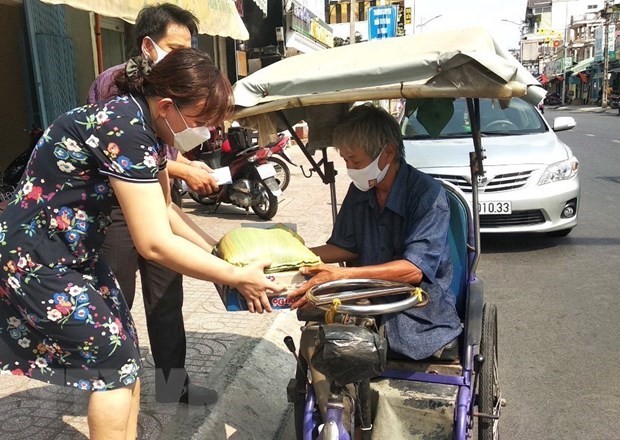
[[241, 246]]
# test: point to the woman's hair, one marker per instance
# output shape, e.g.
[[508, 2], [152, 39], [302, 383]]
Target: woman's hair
[[370, 128], [187, 76]]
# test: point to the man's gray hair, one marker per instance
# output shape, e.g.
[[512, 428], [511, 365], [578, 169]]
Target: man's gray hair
[[370, 128]]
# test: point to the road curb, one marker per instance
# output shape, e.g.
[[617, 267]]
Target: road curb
[[245, 410]]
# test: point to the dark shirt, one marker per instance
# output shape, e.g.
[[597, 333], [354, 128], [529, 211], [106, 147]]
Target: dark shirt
[[103, 87], [412, 226]]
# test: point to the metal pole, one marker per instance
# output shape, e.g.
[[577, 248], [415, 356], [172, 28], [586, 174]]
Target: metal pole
[[99, 43], [564, 54], [606, 56], [352, 22]]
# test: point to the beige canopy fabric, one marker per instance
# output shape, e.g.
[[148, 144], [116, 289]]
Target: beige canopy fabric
[[457, 63], [217, 17]]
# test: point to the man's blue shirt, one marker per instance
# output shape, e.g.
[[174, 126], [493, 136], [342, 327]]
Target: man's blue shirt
[[412, 226]]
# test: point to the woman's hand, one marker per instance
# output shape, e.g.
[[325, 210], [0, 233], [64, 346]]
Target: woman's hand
[[254, 286], [320, 274]]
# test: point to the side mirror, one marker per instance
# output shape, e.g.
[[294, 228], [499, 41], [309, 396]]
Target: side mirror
[[563, 123]]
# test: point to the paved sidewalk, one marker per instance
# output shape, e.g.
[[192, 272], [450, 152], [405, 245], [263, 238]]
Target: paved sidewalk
[[239, 354], [584, 109]]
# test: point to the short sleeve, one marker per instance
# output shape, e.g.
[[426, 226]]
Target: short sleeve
[[426, 236], [343, 233], [127, 149]]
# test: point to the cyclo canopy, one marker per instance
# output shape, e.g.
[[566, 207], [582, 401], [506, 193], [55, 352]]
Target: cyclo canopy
[[459, 63]]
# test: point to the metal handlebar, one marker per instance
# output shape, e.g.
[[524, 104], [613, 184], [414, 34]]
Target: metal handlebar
[[327, 296]]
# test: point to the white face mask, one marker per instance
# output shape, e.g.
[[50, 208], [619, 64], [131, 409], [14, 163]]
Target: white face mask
[[161, 54], [189, 138], [368, 176]]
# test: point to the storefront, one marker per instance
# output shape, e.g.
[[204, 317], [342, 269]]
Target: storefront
[[305, 31]]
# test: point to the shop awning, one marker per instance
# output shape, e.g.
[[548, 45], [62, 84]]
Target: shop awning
[[262, 5], [217, 17], [583, 77], [302, 43], [581, 66]]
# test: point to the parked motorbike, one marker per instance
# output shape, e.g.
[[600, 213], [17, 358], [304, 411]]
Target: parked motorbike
[[270, 153], [13, 173], [553, 99], [253, 179], [613, 101]]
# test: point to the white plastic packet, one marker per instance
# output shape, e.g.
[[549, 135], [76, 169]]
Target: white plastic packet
[[222, 175]]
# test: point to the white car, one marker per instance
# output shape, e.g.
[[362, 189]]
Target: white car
[[531, 181]]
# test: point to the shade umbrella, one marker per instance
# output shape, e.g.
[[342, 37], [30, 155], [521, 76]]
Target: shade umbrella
[[217, 17]]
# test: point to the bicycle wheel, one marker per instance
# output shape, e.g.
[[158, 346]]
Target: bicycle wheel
[[489, 396], [283, 174]]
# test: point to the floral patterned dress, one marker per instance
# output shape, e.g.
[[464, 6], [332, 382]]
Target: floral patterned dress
[[63, 319]]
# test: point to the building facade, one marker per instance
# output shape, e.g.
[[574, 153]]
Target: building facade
[[564, 44]]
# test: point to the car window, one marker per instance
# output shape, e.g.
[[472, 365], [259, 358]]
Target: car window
[[519, 118]]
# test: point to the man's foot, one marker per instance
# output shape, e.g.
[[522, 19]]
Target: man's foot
[[197, 395], [189, 394], [448, 352]]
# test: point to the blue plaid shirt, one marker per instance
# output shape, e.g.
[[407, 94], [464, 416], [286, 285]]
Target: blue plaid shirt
[[412, 226]]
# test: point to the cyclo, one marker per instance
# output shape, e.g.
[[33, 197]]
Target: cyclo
[[438, 399]]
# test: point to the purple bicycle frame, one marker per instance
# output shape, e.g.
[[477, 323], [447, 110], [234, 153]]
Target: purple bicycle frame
[[463, 401], [332, 415], [464, 396]]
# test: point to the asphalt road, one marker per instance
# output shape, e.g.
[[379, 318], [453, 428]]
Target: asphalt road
[[559, 301]]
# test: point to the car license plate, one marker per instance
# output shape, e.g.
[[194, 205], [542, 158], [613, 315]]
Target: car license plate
[[266, 170], [493, 208]]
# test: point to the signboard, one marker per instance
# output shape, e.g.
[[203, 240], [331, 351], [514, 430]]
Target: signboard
[[407, 15], [304, 21], [599, 43], [400, 26], [382, 22]]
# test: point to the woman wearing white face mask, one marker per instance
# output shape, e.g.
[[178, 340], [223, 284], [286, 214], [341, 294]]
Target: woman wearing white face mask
[[158, 30], [393, 225], [74, 326]]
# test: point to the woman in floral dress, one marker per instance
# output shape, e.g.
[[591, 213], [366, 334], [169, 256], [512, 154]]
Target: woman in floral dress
[[63, 319]]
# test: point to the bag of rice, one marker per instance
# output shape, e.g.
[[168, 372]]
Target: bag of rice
[[286, 251]]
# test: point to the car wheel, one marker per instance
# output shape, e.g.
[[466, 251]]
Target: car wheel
[[560, 233]]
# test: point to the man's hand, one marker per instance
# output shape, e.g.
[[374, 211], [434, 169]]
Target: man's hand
[[200, 164], [199, 180], [320, 274]]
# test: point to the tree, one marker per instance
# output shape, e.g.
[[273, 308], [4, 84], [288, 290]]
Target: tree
[[344, 41]]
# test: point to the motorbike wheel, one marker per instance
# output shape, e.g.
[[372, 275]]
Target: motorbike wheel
[[283, 174], [203, 200], [267, 208]]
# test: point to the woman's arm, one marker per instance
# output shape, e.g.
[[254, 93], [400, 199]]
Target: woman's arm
[[183, 226], [180, 222], [146, 213]]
